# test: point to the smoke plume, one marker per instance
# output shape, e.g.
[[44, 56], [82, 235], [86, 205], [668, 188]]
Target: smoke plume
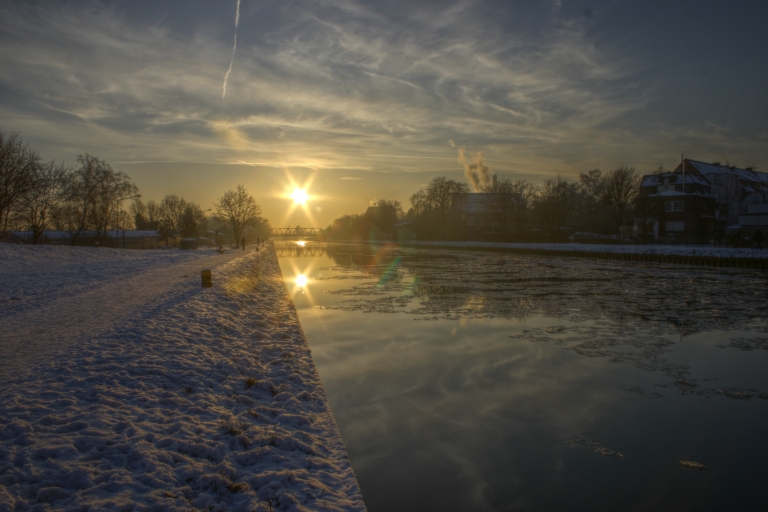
[[479, 175], [232, 60]]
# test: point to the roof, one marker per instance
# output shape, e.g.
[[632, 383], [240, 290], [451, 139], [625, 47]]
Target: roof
[[710, 170], [651, 180]]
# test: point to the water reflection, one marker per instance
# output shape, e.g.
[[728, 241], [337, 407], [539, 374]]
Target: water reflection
[[524, 378]]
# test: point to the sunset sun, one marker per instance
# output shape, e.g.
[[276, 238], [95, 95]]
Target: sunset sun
[[299, 196]]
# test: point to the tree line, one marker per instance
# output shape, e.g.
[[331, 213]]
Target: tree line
[[86, 201], [596, 202]]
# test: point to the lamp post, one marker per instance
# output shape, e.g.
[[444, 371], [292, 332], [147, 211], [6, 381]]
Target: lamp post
[[42, 224], [117, 225]]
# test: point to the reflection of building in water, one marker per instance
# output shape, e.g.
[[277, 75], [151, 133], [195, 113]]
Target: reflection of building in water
[[698, 201]]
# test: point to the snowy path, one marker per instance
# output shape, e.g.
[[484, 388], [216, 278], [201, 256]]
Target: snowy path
[[205, 399], [72, 299]]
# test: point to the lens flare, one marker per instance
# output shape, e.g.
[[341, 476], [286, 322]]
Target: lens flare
[[301, 280]]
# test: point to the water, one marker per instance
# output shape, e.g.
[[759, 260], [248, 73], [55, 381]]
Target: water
[[469, 380]]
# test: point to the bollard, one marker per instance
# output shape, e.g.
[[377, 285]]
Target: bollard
[[206, 278]]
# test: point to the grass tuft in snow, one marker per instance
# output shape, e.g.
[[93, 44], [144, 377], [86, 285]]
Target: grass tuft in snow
[[238, 487], [232, 426]]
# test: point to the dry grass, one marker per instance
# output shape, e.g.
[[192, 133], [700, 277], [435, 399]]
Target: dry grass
[[237, 487], [232, 426]]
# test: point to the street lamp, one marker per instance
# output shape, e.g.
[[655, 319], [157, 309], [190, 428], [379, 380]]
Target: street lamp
[[117, 225], [42, 223]]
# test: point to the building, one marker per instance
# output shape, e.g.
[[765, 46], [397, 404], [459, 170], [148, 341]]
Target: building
[[699, 201], [481, 215]]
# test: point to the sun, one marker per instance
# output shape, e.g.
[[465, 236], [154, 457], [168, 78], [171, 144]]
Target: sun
[[299, 196]]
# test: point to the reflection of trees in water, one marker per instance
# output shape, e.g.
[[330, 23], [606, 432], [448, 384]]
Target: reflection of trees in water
[[679, 299], [626, 313], [682, 299]]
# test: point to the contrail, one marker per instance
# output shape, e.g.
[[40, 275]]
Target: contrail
[[232, 61]]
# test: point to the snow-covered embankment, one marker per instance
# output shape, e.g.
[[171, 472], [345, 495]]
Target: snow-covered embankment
[[212, 402]]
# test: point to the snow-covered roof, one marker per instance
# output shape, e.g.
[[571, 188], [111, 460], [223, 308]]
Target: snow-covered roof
[[651, 180], [710, 170]]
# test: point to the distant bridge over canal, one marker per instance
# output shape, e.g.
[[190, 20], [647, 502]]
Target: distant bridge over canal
[[298, 231]]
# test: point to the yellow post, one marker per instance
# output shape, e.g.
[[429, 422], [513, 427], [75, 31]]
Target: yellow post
[[206, 278]]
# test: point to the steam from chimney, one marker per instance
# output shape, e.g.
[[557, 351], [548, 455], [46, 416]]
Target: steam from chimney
[[479, 175]]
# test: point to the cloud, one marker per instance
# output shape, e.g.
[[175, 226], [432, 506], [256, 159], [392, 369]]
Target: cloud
[[322, 85]]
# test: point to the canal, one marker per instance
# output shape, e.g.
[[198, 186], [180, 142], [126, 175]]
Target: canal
[[472, 380]]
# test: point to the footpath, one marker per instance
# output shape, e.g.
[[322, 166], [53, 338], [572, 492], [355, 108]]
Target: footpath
[[210, 402]]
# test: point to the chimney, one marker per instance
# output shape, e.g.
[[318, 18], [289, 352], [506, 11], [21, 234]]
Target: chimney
[[494, 182]]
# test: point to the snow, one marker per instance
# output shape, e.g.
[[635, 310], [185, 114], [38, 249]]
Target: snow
[[666, 250], [189, 398]]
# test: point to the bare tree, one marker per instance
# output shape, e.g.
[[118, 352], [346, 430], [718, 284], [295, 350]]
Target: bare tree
[[45, 200], [138, 210], [81, 196], [170, 210], [146, 216], [153, 210], [388, 213], [240, 209], [438, 196], [621, 187], [432, 207], [112, 188], [95, 195], [590, 212], [393, 204], [193, 221], [523, 205], [554, 204], [510, 202], [18, 163]]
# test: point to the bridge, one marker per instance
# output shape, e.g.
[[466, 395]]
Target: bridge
[[297, 231], [284, 250]]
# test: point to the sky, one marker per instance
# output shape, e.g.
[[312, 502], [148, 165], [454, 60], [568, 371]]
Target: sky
[[366, 100]]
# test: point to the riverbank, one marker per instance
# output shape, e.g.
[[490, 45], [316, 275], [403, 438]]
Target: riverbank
[[209, 399], [693, 255]]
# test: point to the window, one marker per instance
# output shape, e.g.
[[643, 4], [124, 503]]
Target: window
[[674, 206], [674, 226]]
